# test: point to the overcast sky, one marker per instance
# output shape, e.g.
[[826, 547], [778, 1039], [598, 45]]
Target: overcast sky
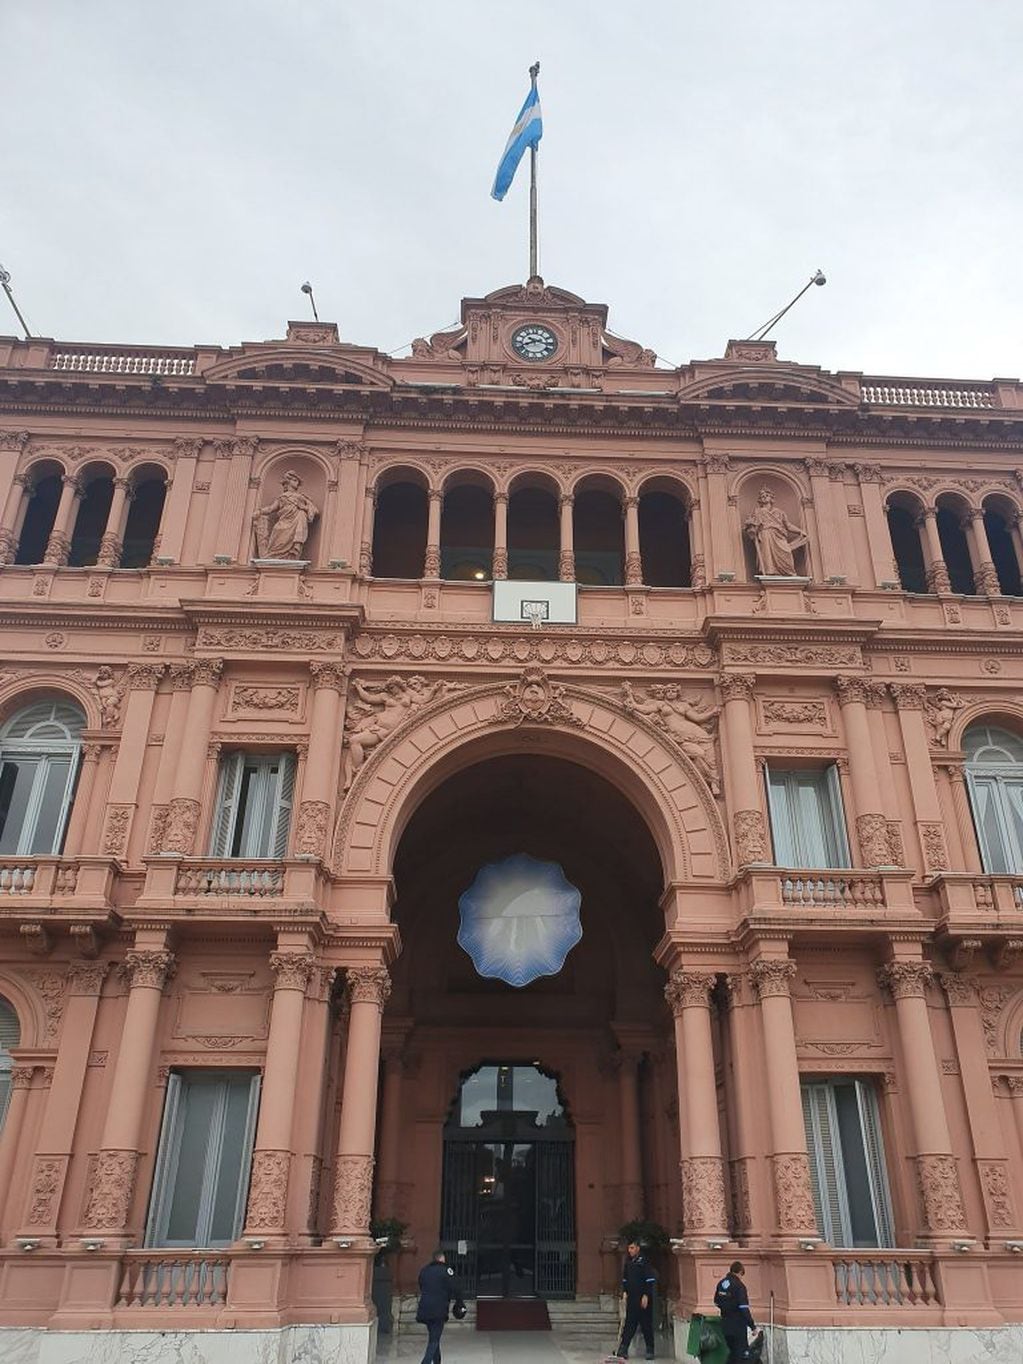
[[172, 172]]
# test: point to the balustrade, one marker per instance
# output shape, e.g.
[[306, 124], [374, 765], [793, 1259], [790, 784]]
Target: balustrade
[[160, 1279], [885, 1279]]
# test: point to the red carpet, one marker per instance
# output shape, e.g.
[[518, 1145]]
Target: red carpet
[[512, 1314]]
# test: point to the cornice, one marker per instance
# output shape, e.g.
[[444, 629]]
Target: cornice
[[344, 616], [790, 629]]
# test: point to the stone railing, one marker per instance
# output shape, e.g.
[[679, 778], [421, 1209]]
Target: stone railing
[[815, 889], [226, 885], [998, 900], [906, 395], [17, 876], [825, 890], [885, 1278], [165, 1279], [229, 877], [123, 362], [54, 880]]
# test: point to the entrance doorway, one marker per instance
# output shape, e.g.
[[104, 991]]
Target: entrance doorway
[[507, 1199]]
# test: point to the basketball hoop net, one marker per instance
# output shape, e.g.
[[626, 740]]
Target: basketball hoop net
[[535, 612]]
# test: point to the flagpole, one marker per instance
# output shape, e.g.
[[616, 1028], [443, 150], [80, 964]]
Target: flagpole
[[534, 71]]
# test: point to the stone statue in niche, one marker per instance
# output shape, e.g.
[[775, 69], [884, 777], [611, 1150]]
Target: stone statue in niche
[[282, 526], [691, 726], [775, 538], [378, 709]]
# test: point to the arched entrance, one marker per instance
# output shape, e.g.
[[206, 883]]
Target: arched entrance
[[507, 1218]]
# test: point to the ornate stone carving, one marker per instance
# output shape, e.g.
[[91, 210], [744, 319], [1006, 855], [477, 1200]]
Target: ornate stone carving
[[534, 699], [566, 566], [737, 686], [368, 985], [771, 977], [775, 538], [440, 346], [687, 989], [961, 990], [932, 837], [794, 1193], [110, 1191], [149, 968], [21, 1077], [115, 834], [206, 672], [802, 655], [689, 725], [353, 1192], [86, 977], [255, 697], [633, 568], [431, 562], [811, 714], [938, 579], [292, 970], [906, 979], [908, 695], [940, 1193], [995, 1183], [110, 692], [109, 555], [940, 712], [703, 1195], [851, 690], [47, 1181], [875, 845], [58, 549], [330, 675], [13, 440], [51, 986], [698, 573], [378, 709], [366, 559], [742, 1211], [751, 843], [500, 564], [311, 828], [268, 1190], [181, 825]]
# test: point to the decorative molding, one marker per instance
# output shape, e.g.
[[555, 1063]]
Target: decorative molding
[[940, 1193], [353, 1192]]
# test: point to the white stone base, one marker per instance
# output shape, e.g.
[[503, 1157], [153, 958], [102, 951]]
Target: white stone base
[[864, 1345], [288, 1345]]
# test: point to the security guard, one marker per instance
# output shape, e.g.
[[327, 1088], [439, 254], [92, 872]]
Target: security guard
[[438, 1288], [732, 1301], [638, 1280]]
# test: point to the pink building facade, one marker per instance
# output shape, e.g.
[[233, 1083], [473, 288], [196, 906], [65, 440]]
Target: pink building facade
[[272, 694]]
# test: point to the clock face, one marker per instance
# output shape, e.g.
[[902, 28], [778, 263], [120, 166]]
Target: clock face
[[534, 343]]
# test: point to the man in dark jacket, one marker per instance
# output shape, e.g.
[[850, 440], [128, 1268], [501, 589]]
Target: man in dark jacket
[[438, 1289], [638, 1280], [732, 1301]]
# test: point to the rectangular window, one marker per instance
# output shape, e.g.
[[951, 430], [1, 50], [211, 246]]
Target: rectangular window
[[35, 797], [201, 1182], [253, 810], [807, 822], [997, 804], [847, 1164]]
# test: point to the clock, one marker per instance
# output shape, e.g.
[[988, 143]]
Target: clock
[[534, 343]]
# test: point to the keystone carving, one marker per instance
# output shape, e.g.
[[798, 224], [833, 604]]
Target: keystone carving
[[534, 699]]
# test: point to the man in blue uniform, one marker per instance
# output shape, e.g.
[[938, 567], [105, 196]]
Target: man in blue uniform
[[638, 1280], [732, 1301], [438, 1289]]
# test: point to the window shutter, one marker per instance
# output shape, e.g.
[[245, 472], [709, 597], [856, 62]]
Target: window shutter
[[282, 810], [166, 1161], [69, 800], [877, 1169], [837, 813], [806, 1096], [825, 1161], [10, 1031], [781, 820], [227, 804], [245, 1168]]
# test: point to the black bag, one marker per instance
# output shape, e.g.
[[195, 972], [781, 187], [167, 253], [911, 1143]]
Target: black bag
[[459, 1310], [756, 1348]]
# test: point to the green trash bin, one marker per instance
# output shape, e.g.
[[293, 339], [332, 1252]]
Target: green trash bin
[[706, 1340]]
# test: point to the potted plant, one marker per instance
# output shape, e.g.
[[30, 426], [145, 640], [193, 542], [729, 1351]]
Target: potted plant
[[388, 1233]]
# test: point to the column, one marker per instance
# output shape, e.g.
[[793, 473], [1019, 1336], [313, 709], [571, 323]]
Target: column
[[228, 541], [909, 701], [117, 518], [113, 1180], [321, 768], [934, 559], [990, 1157], [964, 818], [369, 511], [790, 1164], [303, 1212], [369, 988], [877, 696], [697, 557], [726, 556], [183, 810], [937, 1175], [58, 546], [9, 519], [180, 680], [633, 557], [628, 1059], [10, 1134], [431, 563], [174, 521], [74, 840], [55, 1141], [704, 1212], [500, 564], [566, 556], [749, 830], [985, 575], [875, 522], [827, 529], [871, 824], [744, 1144], [122, 798], [388, 1181], [272, 1152], [1016, 535]]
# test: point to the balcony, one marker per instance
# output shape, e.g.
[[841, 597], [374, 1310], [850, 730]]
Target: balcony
[[227, 886], [826, 897], [56, 883]]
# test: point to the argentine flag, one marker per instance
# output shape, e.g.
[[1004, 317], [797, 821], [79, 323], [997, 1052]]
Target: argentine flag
[[527, 132]]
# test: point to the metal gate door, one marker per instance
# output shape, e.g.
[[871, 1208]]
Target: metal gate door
[[555, 1219]]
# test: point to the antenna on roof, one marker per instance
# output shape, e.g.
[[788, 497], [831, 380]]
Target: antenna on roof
[[817, 278], [307, 288], [5, 280]]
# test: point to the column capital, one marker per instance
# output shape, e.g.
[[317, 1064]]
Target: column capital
[[206, 672], [851, 690], [188, 447], [435, 494], [959, 989], [867, 473], [292, 970], [123, 483], [21, 1077], [817, 466], [925, 514], [72, 481], [150, 969], [688, 989], [330, 675], [717, 462], [13, 440], [566, 500], [908, 695], [631, 502], [771, 976], [145, 676], [86, 977], [737, 686], [876, 693], [905, 979], [368, 985]]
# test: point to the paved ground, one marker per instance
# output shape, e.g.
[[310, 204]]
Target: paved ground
[[499, 1347]]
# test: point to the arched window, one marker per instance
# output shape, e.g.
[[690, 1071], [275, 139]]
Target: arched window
[[399, 531], [906, 547], [599, 538], [664, 540], [534, 535], [467, 533], [994, 775], [143, 523], [1003, 554], [39, 750], [39, 518], [955, 551], [91, 521], [10, 1036]]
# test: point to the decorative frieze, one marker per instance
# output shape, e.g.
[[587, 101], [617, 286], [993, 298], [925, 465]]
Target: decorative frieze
[[501, 645]]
